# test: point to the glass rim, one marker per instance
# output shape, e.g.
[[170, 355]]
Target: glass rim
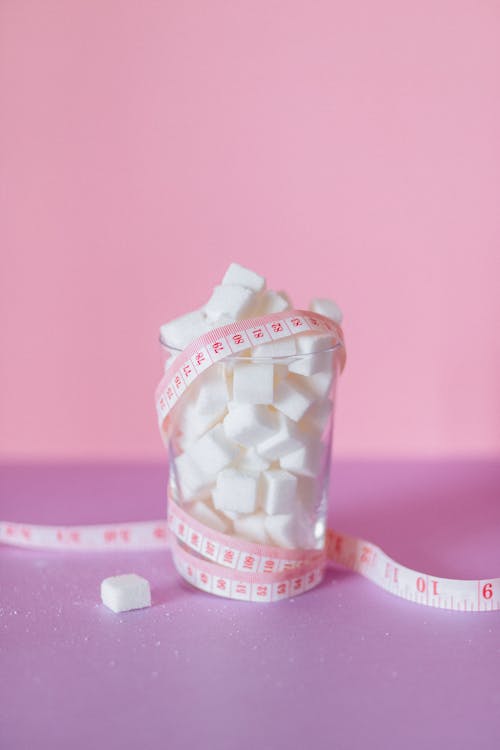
[[264, 358]]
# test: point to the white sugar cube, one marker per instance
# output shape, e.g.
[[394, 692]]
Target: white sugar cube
[[316, 355], [193, 482], [229, 302], [280, 371], [213, 392], [317, 416], [310, 364], [205, 515], [241, 276], [253, 383], [320, 384], [285, 347], [236, 490], [252, 528], [178, 333], [249, 424], [213, 451], [231, 514], [286, 297], [228, 374], [327, 307], [284, 440], [249, 460], [272, 302], [193, 425], [285, 529], [292, 399], [314, 342], [279, 489], [125, 592], [306, 460]]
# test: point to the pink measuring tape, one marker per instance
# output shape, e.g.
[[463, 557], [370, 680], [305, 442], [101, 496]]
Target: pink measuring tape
[[230, 567]]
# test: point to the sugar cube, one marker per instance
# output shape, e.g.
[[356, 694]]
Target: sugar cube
[[279, 491], [236, 490], [229, 302], [231, 514], [191, 425], [305, 460], [180, 332], [285, 347], [316, 354], [285, 529], [124, 592], [326, 307], [317, 416], [272, 302], [292, 399], [241, 276], [249, 424], [192, 481], [320, 384], [249, 460], [284, 440], [252, 528], [253, 383], [213, 392], [205, 515], [213, 451]]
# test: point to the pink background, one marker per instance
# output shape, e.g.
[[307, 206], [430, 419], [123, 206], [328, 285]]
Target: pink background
[[343, 148]]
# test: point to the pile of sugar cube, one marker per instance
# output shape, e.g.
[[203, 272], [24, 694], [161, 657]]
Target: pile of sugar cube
[[248, 436]]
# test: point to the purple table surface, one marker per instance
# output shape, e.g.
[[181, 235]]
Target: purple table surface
[[346, 665]]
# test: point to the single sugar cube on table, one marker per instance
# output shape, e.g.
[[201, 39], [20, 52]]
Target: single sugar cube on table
[[253, 383], [241, 276], [229, 302], [249, 424], [124, 592], [280, 488], [236, 491]]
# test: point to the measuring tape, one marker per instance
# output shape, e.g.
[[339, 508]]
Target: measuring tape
[[230, 567]]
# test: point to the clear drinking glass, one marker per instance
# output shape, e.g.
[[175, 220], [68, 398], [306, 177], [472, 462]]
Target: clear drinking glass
[[301, 447]]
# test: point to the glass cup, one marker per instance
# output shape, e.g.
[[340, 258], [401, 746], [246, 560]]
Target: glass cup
[[257, 471]]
